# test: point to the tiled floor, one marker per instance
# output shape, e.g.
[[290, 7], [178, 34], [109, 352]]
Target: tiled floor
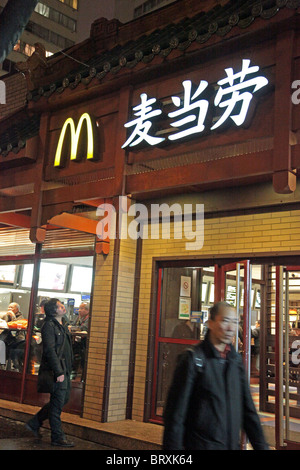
[[269, 418], [128, 434]]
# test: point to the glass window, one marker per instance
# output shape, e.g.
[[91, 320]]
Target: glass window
[[70, 281], [52, 276], [28, 49], [71, 3], [204, 292], [184, 296], [138, 11], [167, 354], [55, 15], [14, 309], [42, 9], [38, 30], [184, 302], [81, 279], [17, 46]]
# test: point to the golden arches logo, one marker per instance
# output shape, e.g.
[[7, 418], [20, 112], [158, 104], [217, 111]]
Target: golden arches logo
[[75, 135]]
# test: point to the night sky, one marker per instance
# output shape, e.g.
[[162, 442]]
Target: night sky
[[92, 10]]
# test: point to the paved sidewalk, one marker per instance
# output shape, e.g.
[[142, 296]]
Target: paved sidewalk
[[123, 435], [14, 436]]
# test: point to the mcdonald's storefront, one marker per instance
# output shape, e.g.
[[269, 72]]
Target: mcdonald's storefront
[[105, 176]]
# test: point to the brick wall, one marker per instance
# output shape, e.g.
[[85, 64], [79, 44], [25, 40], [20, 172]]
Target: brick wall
[[93, 402], [98, 337], [16, 90], [122, 331]]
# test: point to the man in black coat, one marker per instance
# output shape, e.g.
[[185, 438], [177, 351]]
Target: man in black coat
[[209, 401], [57, 357]]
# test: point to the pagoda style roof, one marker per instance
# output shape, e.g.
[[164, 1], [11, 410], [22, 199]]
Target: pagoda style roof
[[179, 34], [16, 129], [108, 52]]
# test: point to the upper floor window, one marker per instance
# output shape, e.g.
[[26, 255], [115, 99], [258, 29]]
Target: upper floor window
[[56, 16], [48, 35], [71, 3]]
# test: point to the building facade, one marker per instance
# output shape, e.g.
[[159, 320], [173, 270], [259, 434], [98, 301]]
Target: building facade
[[182, 134], [137, 8], [53, 23]]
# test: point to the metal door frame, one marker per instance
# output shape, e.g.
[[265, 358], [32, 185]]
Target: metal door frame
[[246, 307], [282, 433]]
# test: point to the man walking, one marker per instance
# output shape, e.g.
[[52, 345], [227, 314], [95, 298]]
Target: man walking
[[209, 401], [58, 357]]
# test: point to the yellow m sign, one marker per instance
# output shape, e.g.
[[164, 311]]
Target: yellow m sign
[[75, 137]]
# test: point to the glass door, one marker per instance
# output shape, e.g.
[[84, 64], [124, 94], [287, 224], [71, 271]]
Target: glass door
[[287, 356], [185, 295], [235, 289], [234, 285]]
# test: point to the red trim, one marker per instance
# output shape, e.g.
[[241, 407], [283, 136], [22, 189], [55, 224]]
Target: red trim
[[277, 360], [56, 254], [154, 418], [154, 384], [219, 293], [156, 421], [161, 339], [291, 445], [4, 259], [246, 319], [33, 294], [67, 254]]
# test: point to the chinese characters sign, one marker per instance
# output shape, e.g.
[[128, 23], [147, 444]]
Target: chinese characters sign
[[232, 100]]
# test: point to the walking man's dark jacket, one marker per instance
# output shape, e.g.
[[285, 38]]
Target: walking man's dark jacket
[[208, 406], [56, 336]]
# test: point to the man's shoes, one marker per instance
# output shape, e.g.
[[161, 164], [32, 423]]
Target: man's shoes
[[62, 443], [34, 431]]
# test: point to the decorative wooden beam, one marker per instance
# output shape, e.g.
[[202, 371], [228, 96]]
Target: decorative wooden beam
[[223, 170], [82, 224], [38, 234], [93, 202], [16, 203], [102, 247], [296, 156], [15, 220], [80, 192], [284, 178], [54, 210], [120, 154], [74, 222]]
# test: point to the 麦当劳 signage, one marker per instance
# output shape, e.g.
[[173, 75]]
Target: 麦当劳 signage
[[233, 99]]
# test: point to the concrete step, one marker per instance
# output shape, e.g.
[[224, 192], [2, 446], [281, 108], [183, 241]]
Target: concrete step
[[123, 435]]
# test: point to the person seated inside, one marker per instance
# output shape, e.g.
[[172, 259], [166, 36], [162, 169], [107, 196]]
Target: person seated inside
[[6, 337], [40, 315], [17, 344], [80, 325]]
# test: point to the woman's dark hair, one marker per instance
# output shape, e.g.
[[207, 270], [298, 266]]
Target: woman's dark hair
[[43, 302], [50, 307]]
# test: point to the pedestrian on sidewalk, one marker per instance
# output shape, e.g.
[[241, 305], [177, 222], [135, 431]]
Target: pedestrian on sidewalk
[[57, 357], [209, 401]]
